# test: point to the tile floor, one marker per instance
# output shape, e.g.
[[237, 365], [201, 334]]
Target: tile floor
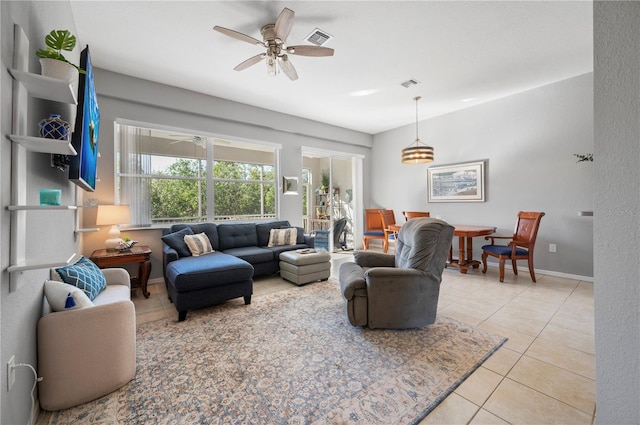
[[544, 374]]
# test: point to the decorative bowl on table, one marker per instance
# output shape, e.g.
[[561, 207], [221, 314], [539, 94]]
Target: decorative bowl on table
[[125, 246]]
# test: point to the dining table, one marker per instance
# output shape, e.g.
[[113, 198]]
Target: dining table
[[465, 234]]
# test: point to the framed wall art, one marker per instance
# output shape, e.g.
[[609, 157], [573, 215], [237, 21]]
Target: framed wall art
[[456, 182], [290, 185]]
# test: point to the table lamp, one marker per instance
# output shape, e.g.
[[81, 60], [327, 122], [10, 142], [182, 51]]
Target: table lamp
[[113, 215]]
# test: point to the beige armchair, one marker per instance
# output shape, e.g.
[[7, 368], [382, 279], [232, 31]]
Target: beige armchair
[[398, 291], [86, 353]]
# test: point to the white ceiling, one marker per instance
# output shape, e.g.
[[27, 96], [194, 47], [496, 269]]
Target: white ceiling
[[456, 49]]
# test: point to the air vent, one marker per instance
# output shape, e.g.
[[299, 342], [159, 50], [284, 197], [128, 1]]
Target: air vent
[[318, 37], [409, 83]]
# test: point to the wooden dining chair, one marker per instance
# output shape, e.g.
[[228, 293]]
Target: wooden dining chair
[[520, 247], [388, 219], [373, 227], [413, 214]]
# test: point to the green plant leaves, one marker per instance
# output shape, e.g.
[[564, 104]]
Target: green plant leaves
[[582, 158], [60, 40], [51, 54], [56, 41]]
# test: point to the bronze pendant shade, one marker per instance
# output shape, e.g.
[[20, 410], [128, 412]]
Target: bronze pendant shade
[[418, 152]]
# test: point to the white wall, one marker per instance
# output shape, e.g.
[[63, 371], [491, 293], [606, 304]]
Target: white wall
[[617, 211], [528, 141]]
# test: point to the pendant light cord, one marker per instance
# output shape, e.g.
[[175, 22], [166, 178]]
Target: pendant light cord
[[417, 98]]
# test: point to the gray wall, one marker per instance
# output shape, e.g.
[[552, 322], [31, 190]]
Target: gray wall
[[617, 211], [528, 140], [20, 309]]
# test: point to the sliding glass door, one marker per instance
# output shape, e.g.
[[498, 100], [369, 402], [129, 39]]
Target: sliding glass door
[[329, 201]]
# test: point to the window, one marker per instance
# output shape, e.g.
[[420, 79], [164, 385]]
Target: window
[[168, 177]]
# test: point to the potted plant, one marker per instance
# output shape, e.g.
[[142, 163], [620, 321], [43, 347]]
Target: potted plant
[[53, 62], [584, 158], [324, 181]]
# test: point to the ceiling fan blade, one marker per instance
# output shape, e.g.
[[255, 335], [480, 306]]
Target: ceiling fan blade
[[284, 23], [251, 61], [238, 35], [288, 68], [310, 51]]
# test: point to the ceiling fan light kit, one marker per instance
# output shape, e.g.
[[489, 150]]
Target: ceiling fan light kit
[[274, 40], [418, 152]]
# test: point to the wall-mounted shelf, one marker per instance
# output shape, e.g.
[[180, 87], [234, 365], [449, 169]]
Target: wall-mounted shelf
[[40, 207], [88, 230], [45, 87], [585, 213], [26, 85], [40, 144], [40, 263]]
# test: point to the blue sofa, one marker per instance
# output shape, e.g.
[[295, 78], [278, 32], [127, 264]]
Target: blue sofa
[[240, 253]]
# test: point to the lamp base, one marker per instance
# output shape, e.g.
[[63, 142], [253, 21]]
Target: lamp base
[[114, 238]]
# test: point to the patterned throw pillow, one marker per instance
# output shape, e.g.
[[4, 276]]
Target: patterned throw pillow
[[62, 296], [280, 237], [84, 275], [198, 244]]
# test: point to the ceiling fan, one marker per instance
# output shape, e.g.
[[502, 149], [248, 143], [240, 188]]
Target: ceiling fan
[[196, 140], [274, 40]]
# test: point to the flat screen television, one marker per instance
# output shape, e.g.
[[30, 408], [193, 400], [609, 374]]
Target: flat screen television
[[83, 168]]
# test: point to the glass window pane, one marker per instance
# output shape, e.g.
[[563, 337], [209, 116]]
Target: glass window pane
[[183, 167], [243, 201], [163, 176], [178, 200]]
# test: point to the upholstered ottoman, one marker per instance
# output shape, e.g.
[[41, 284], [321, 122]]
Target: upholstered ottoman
[[305, 265], [196, 282]]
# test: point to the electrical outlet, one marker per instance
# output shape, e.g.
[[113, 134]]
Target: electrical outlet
[[552, 247], [11, 372]]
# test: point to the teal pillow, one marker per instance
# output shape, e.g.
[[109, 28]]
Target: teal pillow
[[84, 275]]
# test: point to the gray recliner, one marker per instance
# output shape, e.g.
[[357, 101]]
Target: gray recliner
[[398, 291]]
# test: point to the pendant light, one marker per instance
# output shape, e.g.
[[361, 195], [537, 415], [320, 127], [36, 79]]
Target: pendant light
[[418, 152]]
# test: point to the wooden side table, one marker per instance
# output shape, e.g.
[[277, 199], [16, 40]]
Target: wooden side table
[[137, 254]]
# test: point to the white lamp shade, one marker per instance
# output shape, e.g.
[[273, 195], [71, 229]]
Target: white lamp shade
[[113, 214]]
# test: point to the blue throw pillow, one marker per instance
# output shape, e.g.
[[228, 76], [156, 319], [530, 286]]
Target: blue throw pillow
[[176, 241], [84, 275]]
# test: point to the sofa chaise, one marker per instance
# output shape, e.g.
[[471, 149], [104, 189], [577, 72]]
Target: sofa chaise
[[240, 251]]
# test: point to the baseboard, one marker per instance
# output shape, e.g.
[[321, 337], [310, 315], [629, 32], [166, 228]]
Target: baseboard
[[548, 273], [155, 280]]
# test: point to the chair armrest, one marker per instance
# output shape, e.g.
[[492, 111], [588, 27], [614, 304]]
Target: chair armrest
[[515, 244], [374, 259], [351, 278], [492, 238], [397, 274], [117, 276], [384, 280]]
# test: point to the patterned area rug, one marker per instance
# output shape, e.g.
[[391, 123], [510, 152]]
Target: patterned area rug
[[291, 357]]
